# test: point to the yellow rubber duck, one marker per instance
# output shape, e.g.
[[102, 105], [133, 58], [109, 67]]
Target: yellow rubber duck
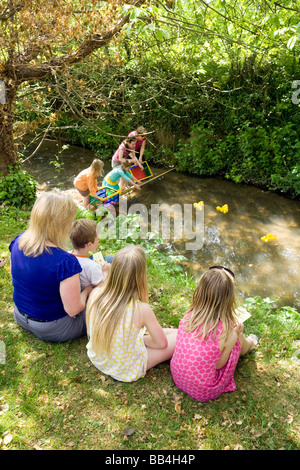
[[223, 209], [269, 237], [199, 205]]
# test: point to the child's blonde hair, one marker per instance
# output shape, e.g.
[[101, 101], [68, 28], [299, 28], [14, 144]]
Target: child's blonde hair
[[50, 220], [82, 232], [213, 300], [141, 131], [97, 167], [126, 281]]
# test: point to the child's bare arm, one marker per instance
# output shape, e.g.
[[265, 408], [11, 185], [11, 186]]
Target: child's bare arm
[[226, 348], [146, 317]]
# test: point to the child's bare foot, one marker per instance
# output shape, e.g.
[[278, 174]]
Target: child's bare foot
[[2, 262]]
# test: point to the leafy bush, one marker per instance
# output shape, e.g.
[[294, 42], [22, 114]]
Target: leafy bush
[[18, 188], [202, 154], [265, 155], [288, 181], [100, 141]]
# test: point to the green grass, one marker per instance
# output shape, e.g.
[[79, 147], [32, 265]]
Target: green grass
[[52, 397]]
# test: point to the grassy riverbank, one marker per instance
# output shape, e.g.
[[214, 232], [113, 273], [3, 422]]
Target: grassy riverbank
[[53, 398]]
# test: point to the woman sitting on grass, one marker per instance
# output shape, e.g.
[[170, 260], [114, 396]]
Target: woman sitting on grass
[[48, 300], [118, 315]]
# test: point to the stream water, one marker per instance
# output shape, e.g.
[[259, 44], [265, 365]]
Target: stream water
[[266, 269]]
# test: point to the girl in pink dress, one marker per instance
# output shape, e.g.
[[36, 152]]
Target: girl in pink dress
[[209, 340]]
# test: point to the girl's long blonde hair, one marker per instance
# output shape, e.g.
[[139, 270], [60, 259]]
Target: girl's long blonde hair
[[213, 300], [127, 281], [97, 167], [50, 221]]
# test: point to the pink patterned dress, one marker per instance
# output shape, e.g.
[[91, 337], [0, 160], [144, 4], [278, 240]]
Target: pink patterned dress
[[193, 365]]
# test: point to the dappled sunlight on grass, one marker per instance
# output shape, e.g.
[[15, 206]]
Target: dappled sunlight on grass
[[54, 398]]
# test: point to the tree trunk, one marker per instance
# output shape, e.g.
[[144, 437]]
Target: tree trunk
[[8, 153], [19, 68]]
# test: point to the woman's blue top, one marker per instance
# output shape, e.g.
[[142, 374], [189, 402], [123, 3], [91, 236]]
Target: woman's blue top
[[36, 281]]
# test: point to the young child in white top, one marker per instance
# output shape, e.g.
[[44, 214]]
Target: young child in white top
[[84, 238]]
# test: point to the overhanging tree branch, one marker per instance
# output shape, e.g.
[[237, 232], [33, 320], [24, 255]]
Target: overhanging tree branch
[[9, 12], [24, 72]]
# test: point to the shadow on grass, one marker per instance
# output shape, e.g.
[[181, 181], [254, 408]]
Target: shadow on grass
[[58, 400]]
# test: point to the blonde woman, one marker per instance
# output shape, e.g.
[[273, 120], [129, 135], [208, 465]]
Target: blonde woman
[[209, 341], [118, 315], [86, 181], [47, 296]]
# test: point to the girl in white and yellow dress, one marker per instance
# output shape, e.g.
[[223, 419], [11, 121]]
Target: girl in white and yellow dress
[[118, 315]]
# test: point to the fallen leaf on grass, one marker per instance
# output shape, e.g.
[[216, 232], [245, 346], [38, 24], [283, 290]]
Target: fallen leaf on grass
[[63, 382], [290, 419], [238, 447], [7, 439], [70, 380], [37, 446], [43, 398], [3, 409], [128, 431], [178, 407], [75, 379]]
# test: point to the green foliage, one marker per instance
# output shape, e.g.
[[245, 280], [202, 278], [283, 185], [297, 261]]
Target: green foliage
[[100, 141], [117, 232], [265, 155], [288, 181], [200, 154], [274, 322], [213, 85], [18, 188], [84, 214]]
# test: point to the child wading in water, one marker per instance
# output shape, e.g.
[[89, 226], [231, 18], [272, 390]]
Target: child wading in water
[[209, 342], [126, 151], [140, 143], [116, 178], [86, 181], [117, 316]]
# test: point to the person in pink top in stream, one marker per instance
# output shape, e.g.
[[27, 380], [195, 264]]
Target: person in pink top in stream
[[140, 142], [125, 152], [209, 340]]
